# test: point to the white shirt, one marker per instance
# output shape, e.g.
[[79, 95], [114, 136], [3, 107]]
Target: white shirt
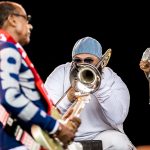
[[107, 109]]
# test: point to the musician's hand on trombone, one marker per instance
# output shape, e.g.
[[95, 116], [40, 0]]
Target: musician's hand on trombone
[[71, 95]]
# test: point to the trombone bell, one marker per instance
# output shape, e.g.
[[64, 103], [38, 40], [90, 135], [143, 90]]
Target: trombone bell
[[85, 78]]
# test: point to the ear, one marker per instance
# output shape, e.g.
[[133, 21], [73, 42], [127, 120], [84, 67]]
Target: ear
[[12, 20]]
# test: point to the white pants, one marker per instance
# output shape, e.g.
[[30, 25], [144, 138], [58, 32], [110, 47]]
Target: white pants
[[114, 140], [19, 148]]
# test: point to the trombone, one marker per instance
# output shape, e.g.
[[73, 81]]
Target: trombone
[[86, 78]]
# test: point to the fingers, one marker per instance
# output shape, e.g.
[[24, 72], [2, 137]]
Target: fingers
[[66, 133], [76, 121], [71, 95], [74, 124]]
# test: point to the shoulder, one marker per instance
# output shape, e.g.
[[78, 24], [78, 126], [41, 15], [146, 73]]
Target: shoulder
[[109, 75], [9, 50], [58, 73], [61, 67], [7, 45], [60, 70], [108, 72]]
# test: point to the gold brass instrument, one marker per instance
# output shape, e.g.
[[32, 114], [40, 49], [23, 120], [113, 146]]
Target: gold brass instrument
[[105, 59], [87, 75], [85, 79]]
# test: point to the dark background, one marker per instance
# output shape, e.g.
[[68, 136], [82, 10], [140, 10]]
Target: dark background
[[122, 27]]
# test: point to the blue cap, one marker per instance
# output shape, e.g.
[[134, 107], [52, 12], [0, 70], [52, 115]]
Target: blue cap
[[87, 45]]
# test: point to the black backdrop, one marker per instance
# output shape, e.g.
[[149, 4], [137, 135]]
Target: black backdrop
[[122, 27]]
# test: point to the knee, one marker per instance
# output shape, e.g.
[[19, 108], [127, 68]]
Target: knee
[[114, 140], [120, 144], [117, 142]]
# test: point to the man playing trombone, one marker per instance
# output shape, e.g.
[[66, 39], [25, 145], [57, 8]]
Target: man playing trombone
[[103, 117]]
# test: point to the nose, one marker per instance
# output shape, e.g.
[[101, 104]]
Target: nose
[[30, 26]]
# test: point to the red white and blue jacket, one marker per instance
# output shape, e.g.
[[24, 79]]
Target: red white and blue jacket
[[19, 95]]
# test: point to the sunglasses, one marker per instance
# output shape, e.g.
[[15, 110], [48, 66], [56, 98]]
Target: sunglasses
[[86, 60], [27, 18]]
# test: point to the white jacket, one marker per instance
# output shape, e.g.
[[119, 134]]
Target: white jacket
[[107, 109]]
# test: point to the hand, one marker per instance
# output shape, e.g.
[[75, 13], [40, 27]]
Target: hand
[[74, 123], [145, 66], [65, 135], [71, 95]]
